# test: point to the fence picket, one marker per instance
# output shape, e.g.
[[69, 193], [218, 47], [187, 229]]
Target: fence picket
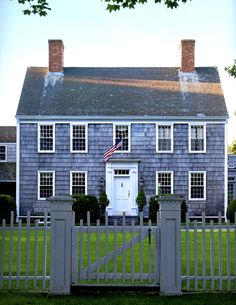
[[89, 243], [228, 256], [3, 251], [235, 251], [212, 255], [106, 244], [204, 251], [187, 253], [220, 249], [149, 249], [27, 250], [141, 246], [115, 249], [11, 228], [36, 253], [81, 250], [19, 253], [195, 257], [44, 250], [123, 251], [98, 249]]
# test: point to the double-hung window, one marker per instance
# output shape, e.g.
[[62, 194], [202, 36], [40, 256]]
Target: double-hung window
[[164, 183], [197, 138], [197, 185], [46, 138], [3, 153], [231, 188], [164, 138], [123, 132], [79, 138], [78, 183], [46, 184]]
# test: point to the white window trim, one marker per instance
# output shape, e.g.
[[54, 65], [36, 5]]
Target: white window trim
[[129, 139], [86, 180], [71, 138], [46, 151], [172, 180], [204, 139], [45, 171], [172, 138], [5, 153], [189, 185]]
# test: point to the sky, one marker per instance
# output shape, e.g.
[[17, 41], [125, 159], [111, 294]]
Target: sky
[[148, 36]]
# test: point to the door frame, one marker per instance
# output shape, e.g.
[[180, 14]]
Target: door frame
[[132, 166]]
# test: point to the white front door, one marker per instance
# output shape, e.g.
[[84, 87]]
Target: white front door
[[122, 187], [122, 195]]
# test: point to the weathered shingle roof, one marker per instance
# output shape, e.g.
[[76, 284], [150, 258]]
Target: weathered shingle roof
[[114, 92], [8, 134]]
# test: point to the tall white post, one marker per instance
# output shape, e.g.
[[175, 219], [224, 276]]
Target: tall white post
[[170, 271], [61, 237]]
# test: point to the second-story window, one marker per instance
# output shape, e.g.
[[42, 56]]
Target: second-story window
[[122, 131], [3, 153], [197, 136], [46, 141], [164, 138], [79, 138]]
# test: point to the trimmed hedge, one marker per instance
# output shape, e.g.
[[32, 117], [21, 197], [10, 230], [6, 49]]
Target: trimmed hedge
[[7, 204], [231, 209], [83, 204]]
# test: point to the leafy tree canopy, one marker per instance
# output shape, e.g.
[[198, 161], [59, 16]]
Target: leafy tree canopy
[[232, 148], [39, 7], [232, 70], [114, 5]]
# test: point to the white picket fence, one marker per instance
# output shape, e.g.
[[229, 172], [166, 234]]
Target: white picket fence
[[210, 252], [119, 254]]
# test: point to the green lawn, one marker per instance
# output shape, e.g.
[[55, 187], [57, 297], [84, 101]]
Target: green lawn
[[117, 299], [143, 250]]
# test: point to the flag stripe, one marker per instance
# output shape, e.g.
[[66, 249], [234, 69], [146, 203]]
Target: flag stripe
[[108, 153]]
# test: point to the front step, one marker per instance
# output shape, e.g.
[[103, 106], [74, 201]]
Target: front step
[[128, 220]]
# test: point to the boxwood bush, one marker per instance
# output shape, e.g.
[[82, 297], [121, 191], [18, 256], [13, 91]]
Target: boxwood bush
[[231, 209], [84, 203], [7, 204]]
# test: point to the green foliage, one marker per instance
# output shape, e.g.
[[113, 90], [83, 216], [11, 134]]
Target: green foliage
[[83, 204], [114, 5], [7, 204], [154, 207], [141, 200], [231, 209], [232, 70], [232, 148], [39, 7], [103, 201]]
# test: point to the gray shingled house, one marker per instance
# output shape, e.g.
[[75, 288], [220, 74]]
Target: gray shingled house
[[8, 160], [172, 122]]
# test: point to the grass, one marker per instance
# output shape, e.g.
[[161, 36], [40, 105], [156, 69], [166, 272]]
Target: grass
[[195, 247], [117, 299]]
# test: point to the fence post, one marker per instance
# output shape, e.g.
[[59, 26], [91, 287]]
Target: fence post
[[170, 271], [61, 237]]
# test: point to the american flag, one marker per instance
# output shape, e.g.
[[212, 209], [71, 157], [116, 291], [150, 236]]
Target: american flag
[[108, 153]]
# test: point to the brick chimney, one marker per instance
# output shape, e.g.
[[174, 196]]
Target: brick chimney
[[187, 58], [56, 55]]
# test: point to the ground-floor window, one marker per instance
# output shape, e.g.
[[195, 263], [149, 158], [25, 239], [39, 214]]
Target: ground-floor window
[[78, 183], [164, 183], [231, 188], [46, 184], [197, 185]]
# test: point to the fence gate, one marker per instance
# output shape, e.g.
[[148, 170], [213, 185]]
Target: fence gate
[[117, 254]]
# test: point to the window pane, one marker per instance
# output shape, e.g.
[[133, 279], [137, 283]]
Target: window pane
[[2, 153], [46, 185], [46, 137], [197, 185], [78, 183], [164, 183], [123, 132], [164, 138], [79, 138], [197, 138]]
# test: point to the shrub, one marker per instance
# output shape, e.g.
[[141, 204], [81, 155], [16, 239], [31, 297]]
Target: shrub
[[83, 204], [141, 200], [153, 208], [7, 204], [231, 209], [103, 201]]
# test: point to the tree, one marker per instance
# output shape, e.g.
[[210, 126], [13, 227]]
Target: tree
[[232, 70], [39, 7], [232, 148], [114, 5]]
